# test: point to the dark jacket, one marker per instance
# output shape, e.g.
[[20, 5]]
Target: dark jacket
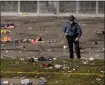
[[72, 29]]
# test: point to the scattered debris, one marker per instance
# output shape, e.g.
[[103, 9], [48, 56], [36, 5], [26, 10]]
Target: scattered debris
[[103, 48], [85, 62], [24, 77], [34, 41], [100, 32], [17, 77], [6, 39], [47, 65], [42, 59], [10, 26], [91, 59], [31, 60], [98, 79], [65, 47], [21, 59], [103, 32], [58, 66], [65, 67], [32, 20], [69, 71], [97, 55], [102, 71], [19, 51], [7, 51], [49, 50], [17, 62], [95, 42], [5, 31], [29, 28], [81, 51], [25, 40], [93, 82], [26, 82], [56, 81], [6, 82], [45, 58], [54, 58], [74, 69], [42, 81], [35, 59]]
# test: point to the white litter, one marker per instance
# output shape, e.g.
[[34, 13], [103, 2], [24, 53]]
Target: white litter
[[6, 82], [74, 69], [98, 79], [25, 81], [19, 51], [35, 59], [58, 66], [7, 51], [42, 81], [29, 28], [54, 58], [22, 59], [91, 59], [84, 62], [65, 47]]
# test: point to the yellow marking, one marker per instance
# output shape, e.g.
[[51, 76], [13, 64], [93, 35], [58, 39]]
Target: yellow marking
[[86, 74]]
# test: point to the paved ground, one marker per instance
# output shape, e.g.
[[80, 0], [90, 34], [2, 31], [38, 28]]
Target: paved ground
[[50, 29]]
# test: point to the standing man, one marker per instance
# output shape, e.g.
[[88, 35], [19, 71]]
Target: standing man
[[73, 33]]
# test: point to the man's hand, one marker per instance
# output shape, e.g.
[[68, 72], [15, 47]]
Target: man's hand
[[76, 39], [65, 33]]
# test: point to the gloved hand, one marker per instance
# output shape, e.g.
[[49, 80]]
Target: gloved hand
[[76, 39], [65, 33]]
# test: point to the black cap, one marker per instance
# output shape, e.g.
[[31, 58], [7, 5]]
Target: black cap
[[71, 18]]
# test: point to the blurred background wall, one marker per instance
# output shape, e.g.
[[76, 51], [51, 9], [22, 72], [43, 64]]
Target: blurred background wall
[[52, 8]]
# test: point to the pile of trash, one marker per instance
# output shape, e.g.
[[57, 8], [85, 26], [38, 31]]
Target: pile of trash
[[48, 65], [100, 33], [26, 81], [5, 31], [34, 41], [42, 81], [42, 58], [9, 26], [8, 38]]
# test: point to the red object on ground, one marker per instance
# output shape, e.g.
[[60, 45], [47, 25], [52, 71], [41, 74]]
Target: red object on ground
[[45, 65], [10, 27], [9, 39], [33, 41], [6, 38]]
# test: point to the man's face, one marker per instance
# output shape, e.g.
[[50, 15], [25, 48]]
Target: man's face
[[71, 21]]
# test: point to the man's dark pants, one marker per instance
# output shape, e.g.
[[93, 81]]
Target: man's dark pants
[[71, 40]]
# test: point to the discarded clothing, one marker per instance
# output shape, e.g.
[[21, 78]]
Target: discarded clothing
[[7, 25]]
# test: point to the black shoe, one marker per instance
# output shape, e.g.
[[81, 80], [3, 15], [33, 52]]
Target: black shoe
[[71, 58], [78, 58]]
